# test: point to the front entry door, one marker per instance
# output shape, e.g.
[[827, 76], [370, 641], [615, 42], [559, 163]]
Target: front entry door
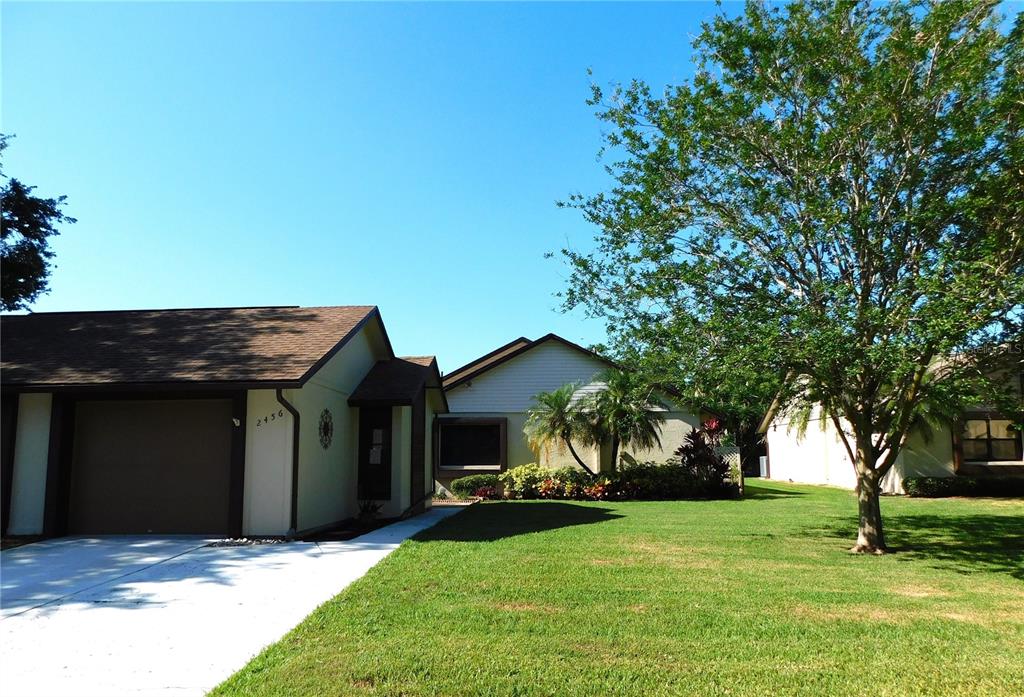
[[374, 454]]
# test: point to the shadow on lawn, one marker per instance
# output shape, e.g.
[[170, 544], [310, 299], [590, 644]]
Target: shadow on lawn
[[758, 491], [494, 521], [964, 544]]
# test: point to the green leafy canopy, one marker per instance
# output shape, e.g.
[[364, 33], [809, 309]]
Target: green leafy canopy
[[830, 212], [27, 223]]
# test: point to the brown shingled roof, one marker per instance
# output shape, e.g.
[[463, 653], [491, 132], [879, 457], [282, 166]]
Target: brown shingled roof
[[396, 381], [271, 346]]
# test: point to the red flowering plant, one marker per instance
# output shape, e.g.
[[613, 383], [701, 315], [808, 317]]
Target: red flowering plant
[[714, 431], [598, 491], [488, 493], [551, 489]]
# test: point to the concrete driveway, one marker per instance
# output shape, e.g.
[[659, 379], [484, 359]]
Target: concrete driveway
[[170, 615]]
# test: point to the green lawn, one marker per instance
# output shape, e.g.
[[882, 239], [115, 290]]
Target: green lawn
[[751, 597]]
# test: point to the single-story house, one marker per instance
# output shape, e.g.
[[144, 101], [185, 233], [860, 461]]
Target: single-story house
[[231, 421], [981, 443], [488, 400]]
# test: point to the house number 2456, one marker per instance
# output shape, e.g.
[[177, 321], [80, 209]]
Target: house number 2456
[[272, 416]]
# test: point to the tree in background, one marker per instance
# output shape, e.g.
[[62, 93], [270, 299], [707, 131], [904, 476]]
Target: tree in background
[[555, 418], [27, 223], [829, 214], [624, 413]]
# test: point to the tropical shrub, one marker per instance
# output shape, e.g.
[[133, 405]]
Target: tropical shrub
[[571, 475], [523, 482], [707, 471], [939, 487], [551, 489], [598, 491], [487, 492], [464, 487], [637, 481]]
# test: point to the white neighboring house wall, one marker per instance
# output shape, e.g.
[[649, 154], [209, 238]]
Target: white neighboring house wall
[[818, 456], [31, 452]]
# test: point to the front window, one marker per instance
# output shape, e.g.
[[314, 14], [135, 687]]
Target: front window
[[990, 438], [471, 444]]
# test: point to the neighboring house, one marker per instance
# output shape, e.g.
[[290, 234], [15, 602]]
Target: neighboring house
[[489, 398], [235, 421], [981, 443]]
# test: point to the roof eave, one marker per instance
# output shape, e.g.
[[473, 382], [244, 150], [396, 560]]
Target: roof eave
[[166, 386]]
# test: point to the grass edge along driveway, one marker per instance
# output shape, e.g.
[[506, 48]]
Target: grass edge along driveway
[[749, 597]]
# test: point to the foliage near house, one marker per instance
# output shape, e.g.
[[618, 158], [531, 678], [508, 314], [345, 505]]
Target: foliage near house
[[27, 222], [623, 413], [684, 476], [464, 487], [830, 212], [744, 597], [939, 487], [556, 419]]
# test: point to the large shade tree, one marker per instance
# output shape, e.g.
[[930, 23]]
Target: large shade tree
[[829, 214], [27, 222]]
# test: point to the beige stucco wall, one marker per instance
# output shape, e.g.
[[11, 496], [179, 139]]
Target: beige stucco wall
[[266, 506], [401, 461], [327, 477], [923, 457], [673, 430], [434, 406], [31, 450]]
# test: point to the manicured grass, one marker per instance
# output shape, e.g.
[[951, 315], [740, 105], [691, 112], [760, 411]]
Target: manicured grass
[[751, 597]]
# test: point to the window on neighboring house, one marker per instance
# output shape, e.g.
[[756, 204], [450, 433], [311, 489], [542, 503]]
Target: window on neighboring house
[[990, 438], [471, 443]]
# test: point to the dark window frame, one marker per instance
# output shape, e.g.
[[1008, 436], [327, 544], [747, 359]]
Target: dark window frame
[[441, 423], [987, 417]]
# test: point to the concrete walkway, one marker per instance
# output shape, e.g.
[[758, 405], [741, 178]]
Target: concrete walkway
[[164, 616]]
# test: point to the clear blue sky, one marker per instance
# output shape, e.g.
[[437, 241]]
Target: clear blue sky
[[403, 155]]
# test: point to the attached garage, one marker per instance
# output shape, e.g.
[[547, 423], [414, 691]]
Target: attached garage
[[151, 466], [219, 422]]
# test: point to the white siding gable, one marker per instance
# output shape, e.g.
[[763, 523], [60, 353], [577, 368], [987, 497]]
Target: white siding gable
[[510, 387]]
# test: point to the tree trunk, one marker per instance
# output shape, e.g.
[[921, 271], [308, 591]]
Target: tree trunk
[[615, 453], [870, 537], [572, 450]]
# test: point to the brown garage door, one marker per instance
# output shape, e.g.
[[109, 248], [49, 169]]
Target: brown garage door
[[160, 466]]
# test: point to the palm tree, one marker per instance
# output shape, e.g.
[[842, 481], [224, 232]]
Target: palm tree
[[556, 417], [624, 412]]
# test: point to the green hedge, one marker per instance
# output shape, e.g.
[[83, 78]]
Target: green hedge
[[939, 487], [638, 482], [464, 487]]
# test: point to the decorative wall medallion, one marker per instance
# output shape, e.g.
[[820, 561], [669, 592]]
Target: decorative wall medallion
[[326, 428]]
